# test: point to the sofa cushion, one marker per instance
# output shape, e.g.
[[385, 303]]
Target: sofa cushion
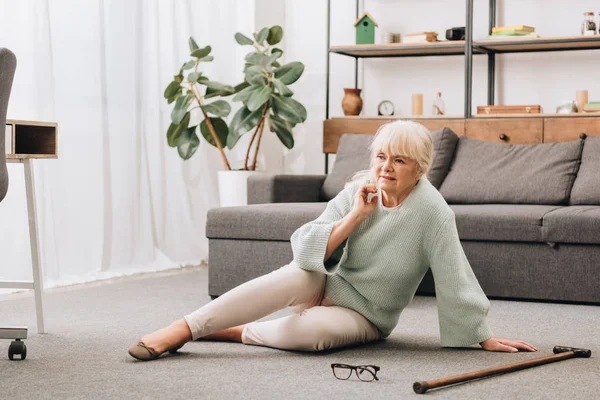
[[444, 144], [487, 172], [352, 156], [586, 189], [501, 222], [260, 221], [574, 224]]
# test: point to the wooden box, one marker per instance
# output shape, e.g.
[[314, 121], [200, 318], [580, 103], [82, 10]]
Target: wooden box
[[31, 139], [526, 109]]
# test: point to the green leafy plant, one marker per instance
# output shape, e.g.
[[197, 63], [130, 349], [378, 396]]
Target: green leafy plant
[[264, 94], [266, 97], [187, 94]]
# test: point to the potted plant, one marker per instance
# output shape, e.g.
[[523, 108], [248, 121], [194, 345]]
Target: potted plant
[[266, 100]]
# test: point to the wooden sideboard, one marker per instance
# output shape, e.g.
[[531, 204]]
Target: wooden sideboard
[[542, 128]]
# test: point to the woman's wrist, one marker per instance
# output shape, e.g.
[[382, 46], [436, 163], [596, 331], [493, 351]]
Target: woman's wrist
[[357, 217]]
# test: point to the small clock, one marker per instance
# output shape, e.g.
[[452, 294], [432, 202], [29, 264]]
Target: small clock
[[386, 108]]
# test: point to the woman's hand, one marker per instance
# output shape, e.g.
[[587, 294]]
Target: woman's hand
[[505, 345], [344, 227], [361, 206]]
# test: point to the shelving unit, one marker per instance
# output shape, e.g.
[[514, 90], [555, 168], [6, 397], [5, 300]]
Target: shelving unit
[[466, 48]]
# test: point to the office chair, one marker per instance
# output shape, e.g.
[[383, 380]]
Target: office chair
[[8, 64]]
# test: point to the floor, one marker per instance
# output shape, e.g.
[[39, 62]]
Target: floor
[[90, 326]]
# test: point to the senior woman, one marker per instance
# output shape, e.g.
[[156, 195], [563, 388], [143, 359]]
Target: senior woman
[[355, 268]]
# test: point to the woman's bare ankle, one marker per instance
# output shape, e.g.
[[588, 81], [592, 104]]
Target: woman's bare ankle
[[233, 334]]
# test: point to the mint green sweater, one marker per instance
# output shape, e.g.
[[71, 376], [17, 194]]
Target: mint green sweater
[[377, 270]]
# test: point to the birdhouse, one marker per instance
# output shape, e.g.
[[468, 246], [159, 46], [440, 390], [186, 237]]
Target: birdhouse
[[365, 29]]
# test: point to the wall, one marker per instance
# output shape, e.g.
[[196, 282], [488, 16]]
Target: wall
[[531, 78]]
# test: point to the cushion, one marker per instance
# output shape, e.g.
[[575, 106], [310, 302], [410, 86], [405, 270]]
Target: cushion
[[352, 156], [444, 144], [586, 189], [574, 224], [488, 172], [275, 221], [501, 222]]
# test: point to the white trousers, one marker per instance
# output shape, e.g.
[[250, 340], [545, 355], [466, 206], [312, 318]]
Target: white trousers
[[316, 325]]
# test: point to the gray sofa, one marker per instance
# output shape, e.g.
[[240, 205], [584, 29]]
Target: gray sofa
[[528, 216]]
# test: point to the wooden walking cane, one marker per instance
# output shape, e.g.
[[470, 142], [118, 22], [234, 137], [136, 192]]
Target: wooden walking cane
[[560, 353]]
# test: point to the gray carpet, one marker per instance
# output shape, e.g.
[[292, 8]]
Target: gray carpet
[[90, 327]]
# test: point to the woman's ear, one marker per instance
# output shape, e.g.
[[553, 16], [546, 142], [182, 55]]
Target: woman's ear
[[419, 173]]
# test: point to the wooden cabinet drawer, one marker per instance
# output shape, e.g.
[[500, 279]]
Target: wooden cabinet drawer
[[506, 130], [567, 129]]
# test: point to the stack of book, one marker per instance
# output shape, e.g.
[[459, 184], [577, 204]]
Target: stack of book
[[420, 37], [592, 107], [513, 32]]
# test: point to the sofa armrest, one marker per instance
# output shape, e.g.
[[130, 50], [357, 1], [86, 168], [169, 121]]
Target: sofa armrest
[[284, 188]]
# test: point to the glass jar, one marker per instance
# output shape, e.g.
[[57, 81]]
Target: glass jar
[[589, 26]]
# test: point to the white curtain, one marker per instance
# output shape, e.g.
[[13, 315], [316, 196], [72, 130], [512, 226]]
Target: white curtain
[[117, 200]]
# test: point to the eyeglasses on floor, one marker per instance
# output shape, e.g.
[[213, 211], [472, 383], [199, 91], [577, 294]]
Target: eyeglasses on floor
[[366, 373]]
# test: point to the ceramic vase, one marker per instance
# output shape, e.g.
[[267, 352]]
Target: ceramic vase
[[352, 103]]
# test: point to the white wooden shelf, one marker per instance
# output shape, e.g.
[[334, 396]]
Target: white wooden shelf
[[442, 48], [562, 43]]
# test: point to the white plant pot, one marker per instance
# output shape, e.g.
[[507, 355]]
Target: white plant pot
[[233, 187]]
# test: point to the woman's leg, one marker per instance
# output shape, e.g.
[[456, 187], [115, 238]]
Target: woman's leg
[[287, 286], [314, 329], [233, 334]]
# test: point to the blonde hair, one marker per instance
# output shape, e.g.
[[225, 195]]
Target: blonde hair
[[401, 138]]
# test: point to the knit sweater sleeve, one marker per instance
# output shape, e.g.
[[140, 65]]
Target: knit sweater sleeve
[[309, 242], [462, 304]]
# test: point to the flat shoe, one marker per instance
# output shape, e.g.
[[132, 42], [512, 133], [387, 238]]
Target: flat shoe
[[146, 353], [142, 352]]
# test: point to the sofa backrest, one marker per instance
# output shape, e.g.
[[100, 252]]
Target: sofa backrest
[[586, 189], [353, 156], [488, 172]]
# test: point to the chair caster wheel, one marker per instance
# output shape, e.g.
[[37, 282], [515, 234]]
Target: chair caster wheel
[[17, 347]]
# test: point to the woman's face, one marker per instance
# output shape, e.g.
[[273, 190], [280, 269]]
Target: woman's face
[[395, 174]]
